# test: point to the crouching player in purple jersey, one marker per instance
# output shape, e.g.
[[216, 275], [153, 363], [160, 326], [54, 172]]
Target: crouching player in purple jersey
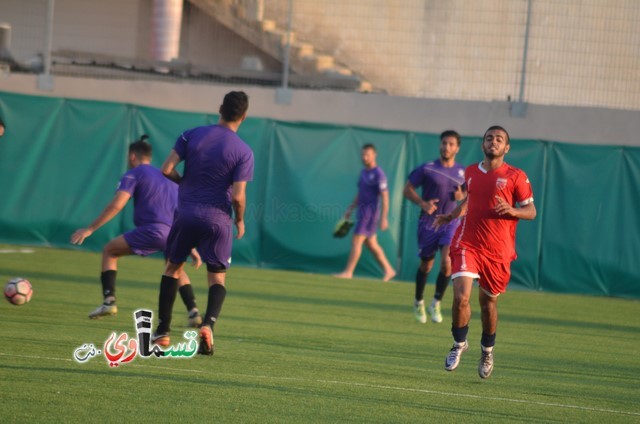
[[441, 182], [372, 186], [155, 201], [217, 167]]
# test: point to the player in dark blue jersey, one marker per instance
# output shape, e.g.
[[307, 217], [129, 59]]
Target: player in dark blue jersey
[[441, 184], [155, 200], [217, 167]]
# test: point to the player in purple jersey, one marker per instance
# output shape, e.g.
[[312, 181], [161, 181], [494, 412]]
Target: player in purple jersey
[[155, 201], [441, 183], [372, 186], [217, 167]]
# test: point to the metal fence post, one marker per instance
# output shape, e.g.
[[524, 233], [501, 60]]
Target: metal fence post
[[45, 79]]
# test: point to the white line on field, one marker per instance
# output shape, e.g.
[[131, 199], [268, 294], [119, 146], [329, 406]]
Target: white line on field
[[369, 386], [17, 251]]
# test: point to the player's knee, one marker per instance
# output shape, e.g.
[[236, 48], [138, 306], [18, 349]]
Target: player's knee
[[426, 264], [110, 251], [460, 300], [173, 269], [357, 240], [445, 268]]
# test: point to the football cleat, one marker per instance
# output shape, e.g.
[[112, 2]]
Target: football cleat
[[453, 358], [206, 341], [485, 365], [419, 312], [104, 310], [435, 313], [195, 320], [161, 339]]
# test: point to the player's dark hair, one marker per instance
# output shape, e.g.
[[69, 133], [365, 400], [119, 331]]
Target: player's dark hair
[[450, 133], [496, 127], [2, 124], [141, 147], [369, 146], [234, 106]]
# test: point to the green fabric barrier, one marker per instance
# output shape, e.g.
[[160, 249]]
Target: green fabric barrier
[[591, 226], [312, 178], [60, 160]]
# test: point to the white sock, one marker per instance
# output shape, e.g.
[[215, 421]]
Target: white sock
[[418, 302], [435, 302], [487, 349]]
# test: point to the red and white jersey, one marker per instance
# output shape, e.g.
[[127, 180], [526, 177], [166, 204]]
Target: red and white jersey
[[482, 229]]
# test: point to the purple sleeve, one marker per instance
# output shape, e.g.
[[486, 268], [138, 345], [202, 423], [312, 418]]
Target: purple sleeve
[[416, 177], [127, 183], [181, 144], [244, 168]]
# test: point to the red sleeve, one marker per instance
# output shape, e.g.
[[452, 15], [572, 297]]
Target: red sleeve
[[523, 193]]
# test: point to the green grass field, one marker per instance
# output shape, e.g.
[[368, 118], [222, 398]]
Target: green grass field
[[295, 347]]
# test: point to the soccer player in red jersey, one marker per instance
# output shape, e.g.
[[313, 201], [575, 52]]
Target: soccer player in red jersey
[[498, 196]]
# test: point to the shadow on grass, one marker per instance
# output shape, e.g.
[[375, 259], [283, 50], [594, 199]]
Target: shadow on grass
[[540, 321], [315, 301], [38, 277]]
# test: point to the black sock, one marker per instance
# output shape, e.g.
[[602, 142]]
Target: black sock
[[421, 282], [459, 334], [168, 291], [441, 286], [217, 293], [488, 340], [189, 299], [108, 280]]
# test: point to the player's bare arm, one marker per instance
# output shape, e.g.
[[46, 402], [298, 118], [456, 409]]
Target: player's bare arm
[[112, 209], [239, 203], [169, 167], [460, 194], [527, 211], [196, 259], [410, 193], [384, 216], [351, 207], [459, 211]]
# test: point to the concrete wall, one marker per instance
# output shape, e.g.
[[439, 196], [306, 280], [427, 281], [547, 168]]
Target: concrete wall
[[206, 42], [122, 28], [554, 123], [580, 52], [108, 27]]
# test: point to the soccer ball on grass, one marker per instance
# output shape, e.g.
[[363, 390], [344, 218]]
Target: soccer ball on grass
[[18, 291]]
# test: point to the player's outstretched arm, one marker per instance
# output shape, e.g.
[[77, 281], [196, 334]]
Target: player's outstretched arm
[[460, 210], [169, 167], [239, 203], [112, 209]]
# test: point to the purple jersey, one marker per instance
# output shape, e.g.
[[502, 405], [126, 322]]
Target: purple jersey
[[372, 182], [438, 182], [215, 157], [155, 197]]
